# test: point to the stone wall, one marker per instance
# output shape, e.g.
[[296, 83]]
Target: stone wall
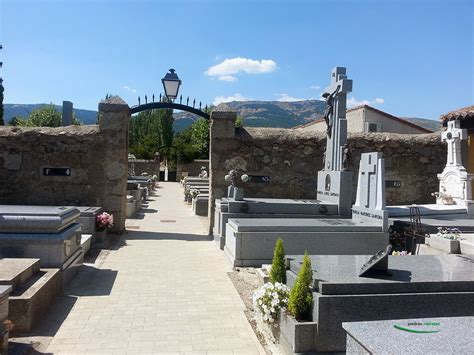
[[193, 168], [96, 156], [292, 158], [140, 166]]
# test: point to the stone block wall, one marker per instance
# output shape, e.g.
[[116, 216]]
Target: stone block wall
[[193, 168], [151, 167], [292, 158], [95, 154]]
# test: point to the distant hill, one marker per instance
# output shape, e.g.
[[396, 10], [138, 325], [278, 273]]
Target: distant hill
[[23, 110], [432, 125], [255, 113], [277, 113]]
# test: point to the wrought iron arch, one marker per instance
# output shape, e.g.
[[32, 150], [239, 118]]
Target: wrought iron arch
[[172, 105]]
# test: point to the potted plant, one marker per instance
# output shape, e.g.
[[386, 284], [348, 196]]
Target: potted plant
[[296, 328], [103, 222], [447, 239]]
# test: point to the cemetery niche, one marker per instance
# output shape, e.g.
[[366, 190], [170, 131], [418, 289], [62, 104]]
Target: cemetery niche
[[249, 242], [334, 187]]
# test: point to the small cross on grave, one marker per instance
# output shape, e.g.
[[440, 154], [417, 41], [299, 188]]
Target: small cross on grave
[[368, 183], [453, 136]]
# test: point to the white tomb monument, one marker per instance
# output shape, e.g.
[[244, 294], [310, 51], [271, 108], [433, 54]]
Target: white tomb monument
[[455, 183]]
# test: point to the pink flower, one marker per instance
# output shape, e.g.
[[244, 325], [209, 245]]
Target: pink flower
[[104, 220]]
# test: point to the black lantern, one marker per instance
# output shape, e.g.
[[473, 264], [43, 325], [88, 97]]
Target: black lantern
[[171, 84]]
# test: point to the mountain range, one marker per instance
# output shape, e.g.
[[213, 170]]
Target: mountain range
[[255, 114]]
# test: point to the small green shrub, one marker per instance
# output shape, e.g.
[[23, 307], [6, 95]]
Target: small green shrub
[[301, 298], [278, 271]]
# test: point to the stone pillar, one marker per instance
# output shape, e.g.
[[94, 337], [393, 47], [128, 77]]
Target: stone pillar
[[222, 134], [114, 116], [67, 113]]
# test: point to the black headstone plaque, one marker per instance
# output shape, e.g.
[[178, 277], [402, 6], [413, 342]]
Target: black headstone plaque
[[259, 179], [56, 171], [393, 184], [378, 262]]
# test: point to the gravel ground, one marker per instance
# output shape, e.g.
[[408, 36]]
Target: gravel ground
[[246, 282]]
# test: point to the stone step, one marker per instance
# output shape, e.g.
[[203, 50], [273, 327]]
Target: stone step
[[86, 242], [37, 295], [16, 272]]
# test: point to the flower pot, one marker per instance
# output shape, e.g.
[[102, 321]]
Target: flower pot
[[450, 246], [100, 236], [297, 336]]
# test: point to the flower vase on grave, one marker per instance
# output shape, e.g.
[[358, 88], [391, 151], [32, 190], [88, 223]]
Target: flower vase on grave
[[238, 193], [100, 235]]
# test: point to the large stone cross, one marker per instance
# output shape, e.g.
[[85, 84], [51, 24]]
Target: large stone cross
[[453, 136], [335, 116]]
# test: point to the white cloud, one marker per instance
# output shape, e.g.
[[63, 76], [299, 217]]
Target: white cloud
[[315, 87], [125, 87], [228, 78], [353, 102], [230, 66], [236, 97], [288, 98]]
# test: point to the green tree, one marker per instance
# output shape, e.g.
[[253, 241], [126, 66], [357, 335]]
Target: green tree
[[46, 116], [193, 142], [166, 126], [2, 122], [239, 122], [301, 298], [17, 121], [278, 270], [200, 137], [145, 134]]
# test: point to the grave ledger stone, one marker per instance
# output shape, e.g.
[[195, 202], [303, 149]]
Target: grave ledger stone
[[250, 242], [49, 233], [449, 335], [415, 286]]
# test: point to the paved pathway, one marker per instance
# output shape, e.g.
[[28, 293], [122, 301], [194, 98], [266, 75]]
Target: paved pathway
[[164, 290]]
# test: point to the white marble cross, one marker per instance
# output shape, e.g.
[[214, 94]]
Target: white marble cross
[[453, 136]]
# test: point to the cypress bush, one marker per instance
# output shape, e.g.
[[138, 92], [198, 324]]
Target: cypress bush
[[301, 298], [278, 270]]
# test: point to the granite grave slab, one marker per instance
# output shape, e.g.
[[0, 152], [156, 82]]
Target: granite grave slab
[[36, 219], [449, 335], [418, 286], [250, 242], [49, 233]]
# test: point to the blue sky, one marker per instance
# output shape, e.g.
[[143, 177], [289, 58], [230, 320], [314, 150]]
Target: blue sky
[[406, 57]]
